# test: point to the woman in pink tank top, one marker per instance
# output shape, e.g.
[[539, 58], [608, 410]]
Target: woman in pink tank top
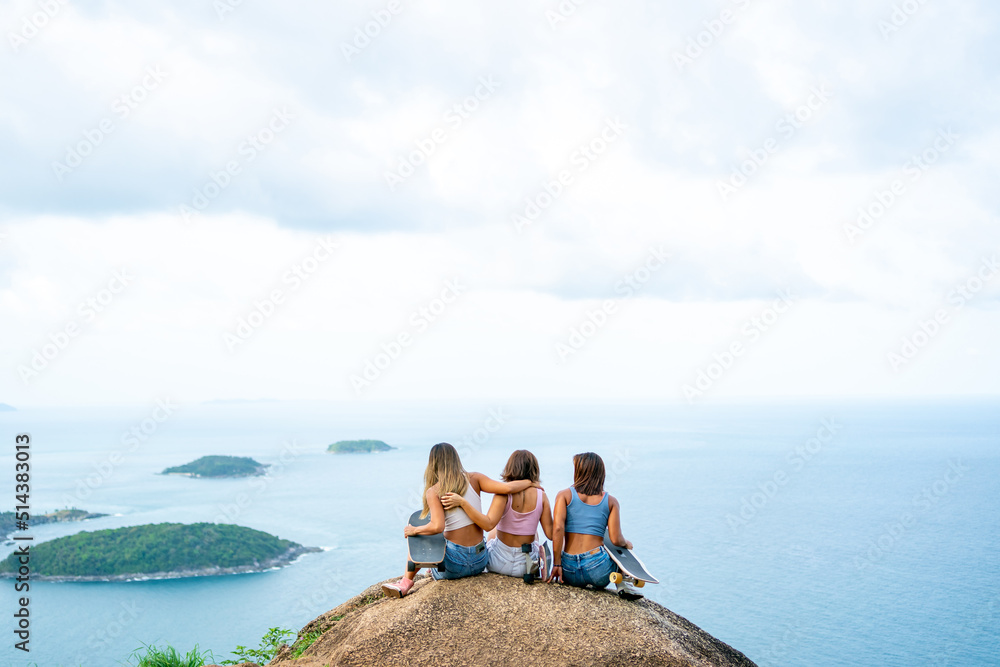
[[516, 517], [465, 553]]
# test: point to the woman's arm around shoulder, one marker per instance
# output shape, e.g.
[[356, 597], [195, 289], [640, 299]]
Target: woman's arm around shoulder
[[486, 521], [482, 482]]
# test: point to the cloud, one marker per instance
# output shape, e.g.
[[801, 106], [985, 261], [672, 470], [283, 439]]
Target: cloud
[[538, 161]]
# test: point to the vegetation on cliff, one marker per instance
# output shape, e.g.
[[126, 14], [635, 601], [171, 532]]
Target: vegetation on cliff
[[219, 466], [152, 548], [358, 446]]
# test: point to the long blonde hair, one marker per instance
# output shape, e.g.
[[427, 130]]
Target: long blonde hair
[[444, 468]]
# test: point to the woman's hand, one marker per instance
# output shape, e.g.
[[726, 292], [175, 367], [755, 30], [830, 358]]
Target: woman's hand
[[556, 576], [452, 500], [536, 485], [409, 531], [628, 545]]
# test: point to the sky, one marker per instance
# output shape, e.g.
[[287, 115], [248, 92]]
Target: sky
[[638, 201]]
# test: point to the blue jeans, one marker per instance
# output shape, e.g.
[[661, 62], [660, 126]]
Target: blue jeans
[[462, 561], [588, 568]]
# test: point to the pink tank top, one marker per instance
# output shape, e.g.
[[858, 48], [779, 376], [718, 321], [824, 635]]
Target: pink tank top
[[517, 523]]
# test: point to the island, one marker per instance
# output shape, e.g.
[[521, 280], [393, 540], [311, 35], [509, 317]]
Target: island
[[8, 520], [358, 447], [219, 466], [157, 551], [7, 408]]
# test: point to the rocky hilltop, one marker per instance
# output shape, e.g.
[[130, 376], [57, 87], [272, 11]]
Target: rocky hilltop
[[495, 620]]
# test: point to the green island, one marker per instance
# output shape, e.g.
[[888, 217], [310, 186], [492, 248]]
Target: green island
[[157, 551], [358, 447], [8, 520], [219, 466]]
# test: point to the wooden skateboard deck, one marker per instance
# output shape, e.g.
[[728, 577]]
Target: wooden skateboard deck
[[629, 563], [424, 550]]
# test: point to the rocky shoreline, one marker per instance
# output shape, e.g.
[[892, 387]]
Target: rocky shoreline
[[278, 561]]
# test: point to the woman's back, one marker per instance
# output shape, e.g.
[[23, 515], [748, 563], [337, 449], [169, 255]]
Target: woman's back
[[518, 523], [457, 518], [586, 520]]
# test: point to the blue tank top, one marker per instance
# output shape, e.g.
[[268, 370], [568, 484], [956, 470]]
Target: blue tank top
[[587, 519]]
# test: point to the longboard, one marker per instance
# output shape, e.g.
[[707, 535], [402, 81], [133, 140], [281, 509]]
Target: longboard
[[424, 550], [541, 568], [630, 565]]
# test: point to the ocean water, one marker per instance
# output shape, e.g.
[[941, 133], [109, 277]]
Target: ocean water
[[803, 534]]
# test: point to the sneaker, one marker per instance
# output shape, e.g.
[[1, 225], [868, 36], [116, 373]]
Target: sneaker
[[398, 589], [627, 591]]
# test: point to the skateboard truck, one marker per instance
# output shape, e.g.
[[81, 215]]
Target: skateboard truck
[[529, 576], [616, 578]]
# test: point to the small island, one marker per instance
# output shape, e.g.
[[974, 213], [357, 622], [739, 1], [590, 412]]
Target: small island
[[7, 408], [8, 520], [219, 466], [358, 447], [157, 551]]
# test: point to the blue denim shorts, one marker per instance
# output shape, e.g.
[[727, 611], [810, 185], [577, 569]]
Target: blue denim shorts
[[588, 569], [462, 561]]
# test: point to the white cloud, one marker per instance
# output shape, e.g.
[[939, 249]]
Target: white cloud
[[655, 185]]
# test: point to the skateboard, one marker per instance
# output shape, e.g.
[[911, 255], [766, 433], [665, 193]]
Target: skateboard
[[633, 569], [537, 569], [424, 550]]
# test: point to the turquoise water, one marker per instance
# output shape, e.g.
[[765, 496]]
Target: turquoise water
[[876, 545]]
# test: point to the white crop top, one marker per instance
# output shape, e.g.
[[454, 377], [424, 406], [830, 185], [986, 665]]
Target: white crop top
[[457, 518]]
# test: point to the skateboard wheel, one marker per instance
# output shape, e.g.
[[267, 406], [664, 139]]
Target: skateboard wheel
[[639, 583], [615, 577], [441, 567], [529, 579], [411, 566]]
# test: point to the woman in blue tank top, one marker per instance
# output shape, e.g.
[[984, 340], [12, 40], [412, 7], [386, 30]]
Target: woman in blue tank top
[[582, 514]]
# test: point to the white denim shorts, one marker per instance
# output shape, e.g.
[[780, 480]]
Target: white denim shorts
[[508, 560]]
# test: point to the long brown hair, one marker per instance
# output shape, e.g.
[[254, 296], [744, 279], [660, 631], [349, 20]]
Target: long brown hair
[[522, 464], [588, 474], [444, 468]]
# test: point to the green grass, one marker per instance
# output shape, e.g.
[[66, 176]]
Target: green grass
[[168, 656], [305, 642], [269, 645]]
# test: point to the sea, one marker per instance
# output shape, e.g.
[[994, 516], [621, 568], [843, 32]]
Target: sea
[[802, 533]]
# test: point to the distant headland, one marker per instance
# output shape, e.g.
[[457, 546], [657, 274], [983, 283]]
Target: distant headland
[[157, 551], [7, 408], [219, 466], [358, 447], [8, 520]]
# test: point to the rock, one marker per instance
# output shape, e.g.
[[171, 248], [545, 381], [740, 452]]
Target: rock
[[495, 620]]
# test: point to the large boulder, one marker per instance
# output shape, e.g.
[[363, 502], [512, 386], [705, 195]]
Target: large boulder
[[494, 620]]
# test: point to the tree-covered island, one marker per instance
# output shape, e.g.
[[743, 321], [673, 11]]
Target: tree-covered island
[[358, 447], [157, 551], [8, 520], [219, 466]]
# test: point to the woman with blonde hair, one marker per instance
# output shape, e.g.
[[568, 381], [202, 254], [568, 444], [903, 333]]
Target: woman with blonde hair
[[465, 553]]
